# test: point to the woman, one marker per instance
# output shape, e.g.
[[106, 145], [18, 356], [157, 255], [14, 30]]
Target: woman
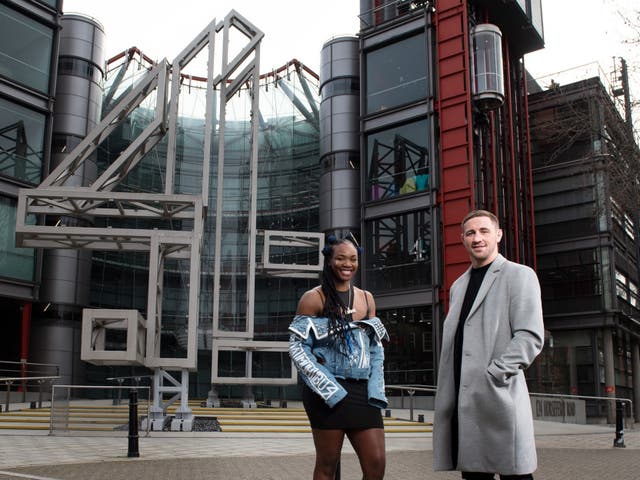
[[336, 345]]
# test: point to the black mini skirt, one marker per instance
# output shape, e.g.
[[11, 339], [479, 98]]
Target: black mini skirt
[[353, 412]]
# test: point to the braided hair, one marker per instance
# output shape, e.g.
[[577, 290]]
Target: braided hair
[[334, 307]]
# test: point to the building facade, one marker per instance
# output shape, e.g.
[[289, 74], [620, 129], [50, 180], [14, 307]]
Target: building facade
[[28, 72], [585, 163], [443, 130], [417, 119]]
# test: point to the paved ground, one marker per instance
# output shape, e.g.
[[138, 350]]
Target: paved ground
[[565, 452]]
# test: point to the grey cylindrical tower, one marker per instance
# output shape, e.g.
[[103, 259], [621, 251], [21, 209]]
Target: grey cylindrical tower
[[339, 136], [66, 273]]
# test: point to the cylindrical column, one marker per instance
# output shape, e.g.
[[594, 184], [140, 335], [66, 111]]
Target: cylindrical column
[[339, 137], [133, 449], [66, 273], [573, 370], [65, 277], [635, 366], [609, 373]]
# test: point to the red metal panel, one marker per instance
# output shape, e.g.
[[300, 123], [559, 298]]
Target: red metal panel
[[456, 195], [515, 197], [527, 146]]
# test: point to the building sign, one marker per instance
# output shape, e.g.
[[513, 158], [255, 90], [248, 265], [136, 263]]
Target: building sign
[[557, 409]]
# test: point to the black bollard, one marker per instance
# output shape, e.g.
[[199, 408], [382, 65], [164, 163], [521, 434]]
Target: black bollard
[[619, 440], [133, 424]]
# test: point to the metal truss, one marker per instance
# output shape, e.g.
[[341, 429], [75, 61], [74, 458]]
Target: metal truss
[[54, 202]]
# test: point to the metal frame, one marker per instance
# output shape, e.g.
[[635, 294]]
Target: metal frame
[[228, 86], [96, 322], [292, 240], [250, 346], [53, 201]]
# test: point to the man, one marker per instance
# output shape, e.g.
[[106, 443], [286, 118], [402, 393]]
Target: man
[[493, 331]]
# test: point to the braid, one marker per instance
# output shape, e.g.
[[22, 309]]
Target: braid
[[334, 307]]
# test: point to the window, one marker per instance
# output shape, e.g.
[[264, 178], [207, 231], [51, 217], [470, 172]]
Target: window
[[409, 355], [396, 74], [27, 61], [398, 161], [16, 263], [21, 142], [79, 67], [571, 281], [399, 252], [340, 86]]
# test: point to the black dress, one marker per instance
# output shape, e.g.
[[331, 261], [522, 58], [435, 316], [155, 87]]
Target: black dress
[[353, 412]]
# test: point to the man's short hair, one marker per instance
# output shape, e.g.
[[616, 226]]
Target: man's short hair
[[480, 213]]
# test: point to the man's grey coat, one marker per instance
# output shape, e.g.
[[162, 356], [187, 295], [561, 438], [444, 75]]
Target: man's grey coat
[[503, 334]]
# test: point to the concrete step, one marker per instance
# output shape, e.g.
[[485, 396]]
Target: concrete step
[[91, 417]]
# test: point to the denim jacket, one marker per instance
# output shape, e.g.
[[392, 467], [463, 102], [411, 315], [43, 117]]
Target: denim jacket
[[319, 363]]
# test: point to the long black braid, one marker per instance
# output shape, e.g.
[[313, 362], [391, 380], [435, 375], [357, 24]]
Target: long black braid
[[334, 307]]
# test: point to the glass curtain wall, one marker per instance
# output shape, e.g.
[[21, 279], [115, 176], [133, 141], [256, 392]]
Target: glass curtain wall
[[400, 247], [15, 263], [288, 174], [398, 160], [27, 61], [396, 74], [22, 133], [409, 353]]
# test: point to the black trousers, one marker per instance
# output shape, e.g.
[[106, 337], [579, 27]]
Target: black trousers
[[490, 476]]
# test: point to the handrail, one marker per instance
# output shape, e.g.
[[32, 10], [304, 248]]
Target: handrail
[[8, 381], [138, 377], [411, 390], [21, 379], [24, 367]]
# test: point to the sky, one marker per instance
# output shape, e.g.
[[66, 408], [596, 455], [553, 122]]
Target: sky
[[577, 32], [581, 32], [293, 28]]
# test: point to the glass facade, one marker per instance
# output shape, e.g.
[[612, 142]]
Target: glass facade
[[28, 61], [15, 263], [398, 160], [396, 74], [571, 281], [400, 247], [409, 353], [21, 142], [287, 200]]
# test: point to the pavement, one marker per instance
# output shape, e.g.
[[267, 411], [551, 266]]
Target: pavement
[[565, 451]]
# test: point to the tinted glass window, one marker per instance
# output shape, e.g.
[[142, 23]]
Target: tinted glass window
[[396, 74], [398, 161], [27, 61], [15, 263], [21, 142], [399, 252]]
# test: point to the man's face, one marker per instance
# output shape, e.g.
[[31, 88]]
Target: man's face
[[481, 237]]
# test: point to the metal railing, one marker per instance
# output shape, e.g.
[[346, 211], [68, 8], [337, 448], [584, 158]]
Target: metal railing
[[20, 376], [63, 401], [411, 390], [135, 381]]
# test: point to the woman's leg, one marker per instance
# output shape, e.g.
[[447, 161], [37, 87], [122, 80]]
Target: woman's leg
[[328, 445], [369, 446]]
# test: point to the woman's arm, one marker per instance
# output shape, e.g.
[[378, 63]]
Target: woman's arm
[[314, 374]]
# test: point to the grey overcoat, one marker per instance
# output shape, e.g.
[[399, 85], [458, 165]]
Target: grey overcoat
[[503, 334]]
